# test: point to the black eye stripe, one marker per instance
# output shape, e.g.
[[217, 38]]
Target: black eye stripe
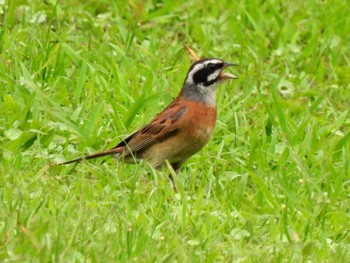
[[201, 75], [203, 69]]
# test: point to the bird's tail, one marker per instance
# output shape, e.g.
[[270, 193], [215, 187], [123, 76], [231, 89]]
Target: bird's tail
[[118, 150]]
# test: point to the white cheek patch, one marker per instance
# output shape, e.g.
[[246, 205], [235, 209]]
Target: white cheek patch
[[214, 75]]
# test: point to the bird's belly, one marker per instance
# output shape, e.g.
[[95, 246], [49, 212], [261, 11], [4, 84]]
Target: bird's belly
[[178, 148]]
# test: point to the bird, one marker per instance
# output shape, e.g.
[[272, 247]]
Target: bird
[[182, 128]]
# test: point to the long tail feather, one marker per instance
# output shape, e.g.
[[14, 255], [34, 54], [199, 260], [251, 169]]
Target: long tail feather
[[95, 155]]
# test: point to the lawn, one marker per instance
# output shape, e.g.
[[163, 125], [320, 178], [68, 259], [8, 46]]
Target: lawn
[[272, 185]]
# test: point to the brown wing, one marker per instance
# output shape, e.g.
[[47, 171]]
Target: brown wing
[[165, 125]]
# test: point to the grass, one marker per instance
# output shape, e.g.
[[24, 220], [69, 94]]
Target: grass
[[273, 183]]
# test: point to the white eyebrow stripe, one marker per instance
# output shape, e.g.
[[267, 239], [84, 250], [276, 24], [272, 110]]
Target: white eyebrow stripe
[[197, 68], [214, 61]]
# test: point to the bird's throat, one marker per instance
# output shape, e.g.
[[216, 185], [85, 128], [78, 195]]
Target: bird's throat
[[200, 93]]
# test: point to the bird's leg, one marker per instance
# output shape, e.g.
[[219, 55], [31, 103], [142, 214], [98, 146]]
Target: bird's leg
[[171, 177], [176, 167]]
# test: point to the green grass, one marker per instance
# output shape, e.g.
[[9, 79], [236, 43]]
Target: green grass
[[273, 184]]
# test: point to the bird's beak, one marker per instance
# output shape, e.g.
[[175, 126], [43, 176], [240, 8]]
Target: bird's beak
[[223, 75]]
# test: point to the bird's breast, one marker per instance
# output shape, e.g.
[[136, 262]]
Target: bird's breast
[[200, 122]]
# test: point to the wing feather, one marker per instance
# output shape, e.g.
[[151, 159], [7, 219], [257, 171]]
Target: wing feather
[[165, 125]]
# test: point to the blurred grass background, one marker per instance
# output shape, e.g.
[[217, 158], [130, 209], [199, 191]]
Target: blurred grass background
[[271, 186]]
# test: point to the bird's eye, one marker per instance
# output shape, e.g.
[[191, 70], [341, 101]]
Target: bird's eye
[[211, 66]]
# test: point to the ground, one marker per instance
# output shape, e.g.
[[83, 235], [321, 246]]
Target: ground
[[273, 183]]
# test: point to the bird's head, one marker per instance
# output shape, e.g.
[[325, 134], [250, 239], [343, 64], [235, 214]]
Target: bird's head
[[203, 77]]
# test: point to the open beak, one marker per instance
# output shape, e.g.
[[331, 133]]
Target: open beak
[[223, 75]]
